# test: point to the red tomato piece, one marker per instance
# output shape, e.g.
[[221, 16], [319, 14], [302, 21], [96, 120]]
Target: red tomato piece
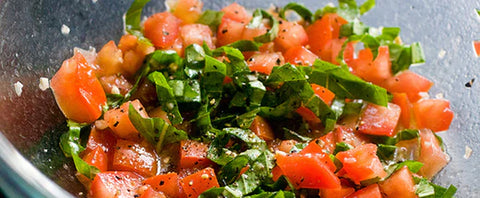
[[327, 142], [103, 139], [290, 34], [166, 183], [434, 114], [97, 158], [285, 146], [300, 56], [237, 13], [371, 191], [341, 192], [110, 59], [150, 193], [349, 136], [378, 120], [323, 36], [193, 154], [431, 154], [264, 62], [119, 122], [476, 46], [276, 173], [410, 83], [323, 93], [307, 115], [134, 53], [377, 71], [401, 99], [229, 31], [115, 184], [135, 157], [110, 82], [308, 170], [77, 90], [189, 11], [251, 33], [162, 29], [361, 163], [195, 184], [399, 185], [198, 34], [262, 129]]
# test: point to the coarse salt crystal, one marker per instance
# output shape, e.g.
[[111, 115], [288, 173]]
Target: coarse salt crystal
[[44, 84], [468, 152], [18, 88], [442, 53], [65, 29], [115, 90]]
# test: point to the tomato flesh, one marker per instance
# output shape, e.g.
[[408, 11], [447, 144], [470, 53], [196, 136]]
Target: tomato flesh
[[166, 183], [262, 129], [188, 10], [112, 184], [410, 83], [193, 154], [264, 62], [378, 120], [434, 114], [300, 56], [290, 34], [134, 157], [197, 34], [431, 154], [162, 29], [361, 163], [399, 185], [120, 123], [195, 184]]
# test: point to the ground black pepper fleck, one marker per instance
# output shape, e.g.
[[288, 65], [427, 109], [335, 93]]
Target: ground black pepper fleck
[[470, 83]]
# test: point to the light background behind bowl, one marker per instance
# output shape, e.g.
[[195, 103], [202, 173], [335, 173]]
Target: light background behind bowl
[[32, 46]]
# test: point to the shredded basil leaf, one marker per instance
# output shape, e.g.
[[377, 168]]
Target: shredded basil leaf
[[258, 16], [300, 9], [366, 6], [342, 146], [166, 97], [211, 18], [133, 18]]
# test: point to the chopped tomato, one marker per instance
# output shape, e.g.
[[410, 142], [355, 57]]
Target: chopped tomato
[[371, 191], [308, 170], [193, 154], [434, 114], [378, 120], [300, 56], [349, 136], [431, 154], [323, 93], [476, 46], [307, 114], [323, 36], [264, 62], [97, 158], [135, 157], [375, 71], [262, 129], [229, 31], [276, 173], [162, 29], [77, 90], [150, 193], [401, 99], [326, 143], [166, 183], [195, 184], [110, 59], [286, 145], [237, 13], [341, 192], [290, 34], [119, 122], [115, 84], [177, 46], [361, 163], [408, 82], [115, 184], [251, 33], [196, 34], [103, 139], [399, 185], [133, 53], [188, 10]]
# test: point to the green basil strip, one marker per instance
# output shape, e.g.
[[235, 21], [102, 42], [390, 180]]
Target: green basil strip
[[211, 18], [166, 97], [256, 21], [366, 6], [300, 9]]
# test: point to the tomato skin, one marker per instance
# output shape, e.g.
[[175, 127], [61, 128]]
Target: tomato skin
[[371, 191], [134, 53], [323, 37], [476, 46], [97, 158], [150, 193], [110, 59], [134, 157], [307, 115], [434, 114], [262, 129], [77, 90], [120, 123], [399, 185], [431, 154], [378, 120], [308, 170], [193, 154], [237, 13], [196, 34], [188, 10], [115, 184], [410, 83], [286, 146], [290, 34], [264, 62], [323, 93], [118, 81], [361, 163], [336, 193], [349, 136], [375, 71], [300, 56], [401, 99], [229, 31], [195, 184], [166, 183], [162, 29]]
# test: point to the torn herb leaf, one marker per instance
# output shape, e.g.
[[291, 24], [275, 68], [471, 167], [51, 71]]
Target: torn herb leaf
[[166, 97], [300, 9], [211, 18]]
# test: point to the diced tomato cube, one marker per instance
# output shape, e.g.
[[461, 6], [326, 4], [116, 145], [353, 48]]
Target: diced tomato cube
[[400, 184], [115, 184], [375, 71], [77, 90], [150, 193], [323, 93], [371, 191], [237, 13], [264, 62], [290, 34], [195, 184], [114, 83], [251, 33], [97, 158], [110, 59], [361, 163], [285, 146], [323, 36], [434, 114], [120, 123], [229, 31], [188, 10], [401, 99], [431, 154], [193, 154], [197, 34], [134, 53], [134, 157], [166, 183], [349, 136], [307, 115], [300, 56], [476, 47], [378, 120], [162, 29], [262, 129], [276, 173], [308, 170], [103, 139], [408, 82], [341, 192]]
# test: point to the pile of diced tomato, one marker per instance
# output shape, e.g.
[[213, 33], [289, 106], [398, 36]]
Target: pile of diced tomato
[[130, 167]]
